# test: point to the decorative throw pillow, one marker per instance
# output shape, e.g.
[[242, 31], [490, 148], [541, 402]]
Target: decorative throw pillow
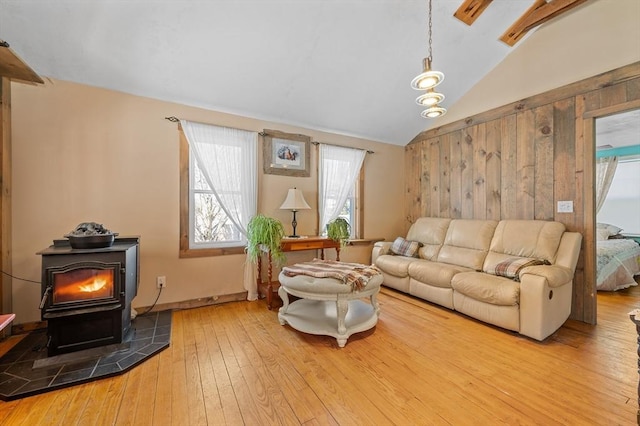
[[611, 229], [403, 247], [511, 267], [602, 234]]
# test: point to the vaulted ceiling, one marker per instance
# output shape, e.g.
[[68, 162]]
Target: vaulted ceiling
[[337, 65]]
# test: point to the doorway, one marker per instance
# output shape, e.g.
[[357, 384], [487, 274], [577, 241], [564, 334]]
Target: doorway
[[614, 136]]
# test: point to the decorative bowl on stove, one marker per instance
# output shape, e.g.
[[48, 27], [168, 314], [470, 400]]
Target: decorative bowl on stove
[[91, 241]]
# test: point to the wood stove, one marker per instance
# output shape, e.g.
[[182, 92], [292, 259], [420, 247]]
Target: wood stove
[[87, 293]]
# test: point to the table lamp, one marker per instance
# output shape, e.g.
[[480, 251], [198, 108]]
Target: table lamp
[[295, 201]]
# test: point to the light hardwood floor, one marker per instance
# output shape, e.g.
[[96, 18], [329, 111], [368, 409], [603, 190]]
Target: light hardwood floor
[[422, 364]]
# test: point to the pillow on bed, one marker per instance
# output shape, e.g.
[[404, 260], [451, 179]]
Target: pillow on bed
[[602, 234], [611, 229], [402, 247], [511, 267]]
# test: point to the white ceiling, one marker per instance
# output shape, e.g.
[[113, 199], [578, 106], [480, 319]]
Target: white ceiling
[[336, 65], [618, 130]]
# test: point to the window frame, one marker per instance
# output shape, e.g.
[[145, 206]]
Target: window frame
[[185, 251], [358, 229]]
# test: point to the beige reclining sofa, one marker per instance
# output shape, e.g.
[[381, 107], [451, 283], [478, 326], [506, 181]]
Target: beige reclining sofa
[[515, 274]]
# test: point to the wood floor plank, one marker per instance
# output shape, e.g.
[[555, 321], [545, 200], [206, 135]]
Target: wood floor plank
[[239, 386], [230, 413], [113, 400], [32, 413], [210, 394], [126, 412], [147, 392], [303, 401], [234, 364], [197, 413], [179, 395], [96, 398], [62, 404], [162, 409]]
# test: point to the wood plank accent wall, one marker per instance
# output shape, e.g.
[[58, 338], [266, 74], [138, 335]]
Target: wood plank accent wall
[[519, 160]]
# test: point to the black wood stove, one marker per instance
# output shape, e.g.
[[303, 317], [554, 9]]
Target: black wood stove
[[87, 293]]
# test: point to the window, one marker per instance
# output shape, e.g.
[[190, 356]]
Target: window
[[622, 202], [209, 224], [340, 184], [217, 190]]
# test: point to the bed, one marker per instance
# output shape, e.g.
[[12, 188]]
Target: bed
[[618, 261]]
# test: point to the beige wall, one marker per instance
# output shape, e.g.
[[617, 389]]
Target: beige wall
[[86, 154], [596, 37]]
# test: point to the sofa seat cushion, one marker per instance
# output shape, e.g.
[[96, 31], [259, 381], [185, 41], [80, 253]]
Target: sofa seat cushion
[[487, 288], [434, 273], [395, 265]]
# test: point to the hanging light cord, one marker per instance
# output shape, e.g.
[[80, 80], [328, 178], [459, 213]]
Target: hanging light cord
[[430, 31]]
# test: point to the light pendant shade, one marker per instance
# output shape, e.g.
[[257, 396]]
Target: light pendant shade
[[430, 98], [433, 112], [294, 201], [428, 79]]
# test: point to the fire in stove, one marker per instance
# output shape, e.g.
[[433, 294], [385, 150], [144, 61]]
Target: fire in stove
[[83, 284]]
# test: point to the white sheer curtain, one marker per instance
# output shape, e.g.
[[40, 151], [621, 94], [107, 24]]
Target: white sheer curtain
[[228, 160], [338, 171], [605, 170]]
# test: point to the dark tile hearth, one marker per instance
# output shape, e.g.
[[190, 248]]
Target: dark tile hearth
[[26, 370]]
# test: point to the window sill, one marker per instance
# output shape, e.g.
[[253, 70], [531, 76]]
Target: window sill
[[210, 252], [364, 241]]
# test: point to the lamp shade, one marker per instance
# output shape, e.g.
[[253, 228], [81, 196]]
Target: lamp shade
[[433, 112], [428, 78], [431, 98], [295, 201]]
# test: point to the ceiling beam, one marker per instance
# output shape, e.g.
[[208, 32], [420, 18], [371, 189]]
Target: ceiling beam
[[536, 15], [14, 68], [469, 10]]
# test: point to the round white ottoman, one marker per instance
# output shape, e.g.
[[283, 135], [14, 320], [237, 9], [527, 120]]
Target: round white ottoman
[[328, 307]]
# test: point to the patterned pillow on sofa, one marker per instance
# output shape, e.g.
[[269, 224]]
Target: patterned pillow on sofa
[[510, 268], [402, 247]]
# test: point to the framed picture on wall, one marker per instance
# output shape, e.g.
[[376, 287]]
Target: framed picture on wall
[[286, 154]]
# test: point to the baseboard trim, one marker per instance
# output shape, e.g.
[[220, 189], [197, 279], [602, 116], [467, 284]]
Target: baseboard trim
[[195, 303], [28, 327]]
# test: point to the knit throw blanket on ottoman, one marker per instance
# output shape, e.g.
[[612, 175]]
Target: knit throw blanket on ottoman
[[356, 275]]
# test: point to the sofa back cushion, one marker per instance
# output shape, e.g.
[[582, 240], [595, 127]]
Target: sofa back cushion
[[467, 242], [430, 231], [533, 239]]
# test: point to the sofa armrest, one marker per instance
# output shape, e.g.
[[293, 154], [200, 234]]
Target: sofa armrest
[[544, 309], [555, 275], [380, 248]]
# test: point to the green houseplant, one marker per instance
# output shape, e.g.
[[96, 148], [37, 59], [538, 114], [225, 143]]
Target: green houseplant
[[265, 231], [339, 230]]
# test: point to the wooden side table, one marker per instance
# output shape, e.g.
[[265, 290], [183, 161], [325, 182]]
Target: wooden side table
[[268, 288]]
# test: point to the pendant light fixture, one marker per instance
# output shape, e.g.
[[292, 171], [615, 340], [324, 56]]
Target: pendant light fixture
[[430, 98], [427, 80]]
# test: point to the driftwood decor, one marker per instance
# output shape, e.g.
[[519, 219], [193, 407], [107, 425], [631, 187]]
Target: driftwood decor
[[286, 154]]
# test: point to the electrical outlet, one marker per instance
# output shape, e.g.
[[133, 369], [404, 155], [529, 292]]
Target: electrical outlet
[[161, 282]]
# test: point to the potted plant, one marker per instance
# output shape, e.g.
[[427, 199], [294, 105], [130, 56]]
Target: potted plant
[[339, 230], [265, 231]]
